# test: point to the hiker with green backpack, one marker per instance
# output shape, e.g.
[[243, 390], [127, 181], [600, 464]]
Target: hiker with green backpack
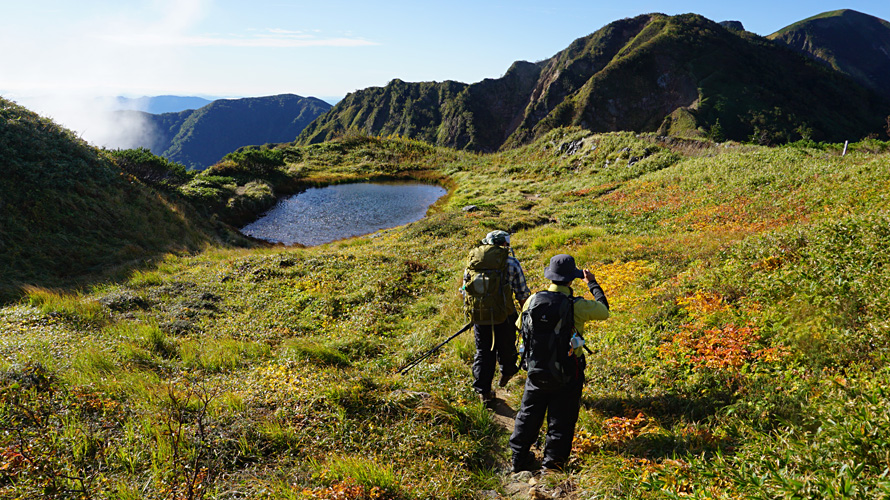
[[552, 327], [492, 279]]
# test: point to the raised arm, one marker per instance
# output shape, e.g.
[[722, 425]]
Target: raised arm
[[595, 288]]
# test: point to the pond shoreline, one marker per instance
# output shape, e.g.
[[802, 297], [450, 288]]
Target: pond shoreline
[[243, 214], [319, 215]]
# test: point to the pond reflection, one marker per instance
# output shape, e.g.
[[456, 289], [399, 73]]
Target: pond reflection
[[321, 215]]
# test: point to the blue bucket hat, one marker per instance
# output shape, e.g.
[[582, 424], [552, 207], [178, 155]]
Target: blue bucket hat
[[562, 268]]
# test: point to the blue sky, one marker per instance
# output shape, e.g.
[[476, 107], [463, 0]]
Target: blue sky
[[66, 59], [324, 48]]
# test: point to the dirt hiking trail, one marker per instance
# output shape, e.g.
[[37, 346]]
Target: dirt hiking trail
[[526, 485]]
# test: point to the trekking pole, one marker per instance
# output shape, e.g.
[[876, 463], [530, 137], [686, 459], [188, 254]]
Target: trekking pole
[[429, 353]]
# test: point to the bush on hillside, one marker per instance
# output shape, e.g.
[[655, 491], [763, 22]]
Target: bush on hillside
[[248, 201], [251, 160], [149, 168], [209, 190]]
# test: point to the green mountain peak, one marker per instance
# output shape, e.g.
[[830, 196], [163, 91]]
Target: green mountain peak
[[679, 75], [853, 43]]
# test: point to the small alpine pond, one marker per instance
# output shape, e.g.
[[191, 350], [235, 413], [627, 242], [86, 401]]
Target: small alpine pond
[[321, 215]]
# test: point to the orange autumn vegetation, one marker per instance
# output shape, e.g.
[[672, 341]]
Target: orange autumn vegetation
[[346, 490], [726, 348]]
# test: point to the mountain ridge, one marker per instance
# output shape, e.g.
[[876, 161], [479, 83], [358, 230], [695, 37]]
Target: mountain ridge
[[198, 138], [161, 104], [846, 40], [680, 75]]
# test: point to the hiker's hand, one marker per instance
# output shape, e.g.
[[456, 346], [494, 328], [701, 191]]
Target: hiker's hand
[[588, 276]]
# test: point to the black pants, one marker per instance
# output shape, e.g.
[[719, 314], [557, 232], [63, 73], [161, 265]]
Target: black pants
[[561, 404], [502, 350]]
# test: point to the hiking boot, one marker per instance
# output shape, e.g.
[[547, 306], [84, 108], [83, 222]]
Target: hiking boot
[[487, 397], [525, 462], [552, 467], [506, 376]]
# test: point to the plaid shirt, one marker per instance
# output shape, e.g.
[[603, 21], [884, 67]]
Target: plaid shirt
[[516, 278]]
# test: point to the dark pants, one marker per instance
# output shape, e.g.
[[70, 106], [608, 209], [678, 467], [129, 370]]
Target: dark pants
[[503, 351], [560, 403]]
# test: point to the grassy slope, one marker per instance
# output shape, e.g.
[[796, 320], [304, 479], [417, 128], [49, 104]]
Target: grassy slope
[[69, 213], [408, 109], [749, 307], [833, 14]]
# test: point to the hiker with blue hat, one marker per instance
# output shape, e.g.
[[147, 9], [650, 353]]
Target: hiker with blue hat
[[492, 279], [551, 326]]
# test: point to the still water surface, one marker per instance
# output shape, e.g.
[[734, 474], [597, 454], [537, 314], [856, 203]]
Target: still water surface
[[321, 215]]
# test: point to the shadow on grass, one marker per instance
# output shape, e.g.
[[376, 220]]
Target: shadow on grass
[[669, 409], [660, 427]]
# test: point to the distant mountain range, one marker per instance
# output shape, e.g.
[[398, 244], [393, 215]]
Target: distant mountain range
[[201, 137], [174, 103], [675, 75], [680, 75], [160, 104]]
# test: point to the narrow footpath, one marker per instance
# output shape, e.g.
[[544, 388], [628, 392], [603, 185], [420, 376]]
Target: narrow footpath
[[527, 485]]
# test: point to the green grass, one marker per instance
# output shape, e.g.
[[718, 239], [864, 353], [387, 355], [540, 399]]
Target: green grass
[[746, 355], [70, 307], [72, 217]]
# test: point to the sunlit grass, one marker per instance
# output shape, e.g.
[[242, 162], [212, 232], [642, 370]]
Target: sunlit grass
[[92, 362], [749, 302], [71, 307], [369, 473]]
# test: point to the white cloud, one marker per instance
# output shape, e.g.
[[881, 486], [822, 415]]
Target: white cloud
[[177, 28], [63, 73], [148, 47], [96, 120], [279, 31], [270, 39]]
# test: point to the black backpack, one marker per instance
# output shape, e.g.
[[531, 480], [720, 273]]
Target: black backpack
[[547, 325]]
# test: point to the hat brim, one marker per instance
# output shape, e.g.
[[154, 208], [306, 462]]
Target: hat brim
[[554, 276]]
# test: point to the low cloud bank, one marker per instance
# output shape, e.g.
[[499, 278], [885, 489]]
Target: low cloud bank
[[97, 120]]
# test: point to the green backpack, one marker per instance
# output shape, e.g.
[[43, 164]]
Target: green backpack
[[487, 299]]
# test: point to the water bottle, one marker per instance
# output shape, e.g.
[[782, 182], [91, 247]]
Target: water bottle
[[523, 363], [577, 342]]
